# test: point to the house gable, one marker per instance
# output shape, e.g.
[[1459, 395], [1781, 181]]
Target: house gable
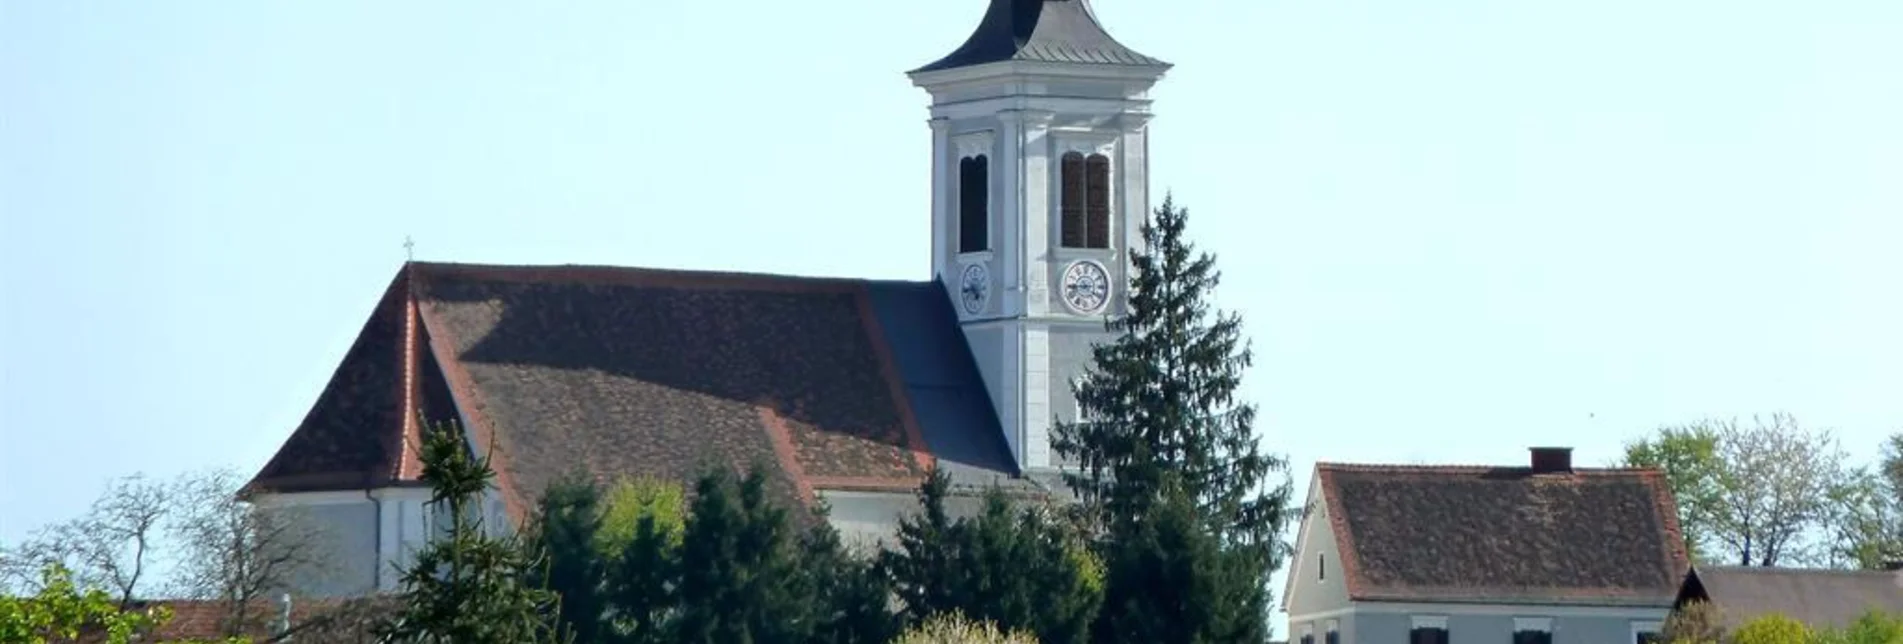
[[1316, 585]]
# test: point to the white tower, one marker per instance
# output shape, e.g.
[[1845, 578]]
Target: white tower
[[1039, 190]]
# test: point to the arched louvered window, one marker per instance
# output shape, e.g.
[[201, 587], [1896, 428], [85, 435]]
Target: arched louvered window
[[1085, 200], [974, 204]]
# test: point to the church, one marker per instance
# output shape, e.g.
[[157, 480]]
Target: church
[[847, 391]]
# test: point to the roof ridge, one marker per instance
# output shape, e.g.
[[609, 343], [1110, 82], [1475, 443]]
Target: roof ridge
[[1335, 466], [642, 274], [1780, 570]]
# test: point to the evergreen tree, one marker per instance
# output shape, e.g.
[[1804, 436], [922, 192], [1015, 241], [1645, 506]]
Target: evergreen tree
[[1016, 567], [1162, 399], [922, 568], [568, 520], [644, 581], [1170, 580], [739, 578], [849, 594], [467, 587]]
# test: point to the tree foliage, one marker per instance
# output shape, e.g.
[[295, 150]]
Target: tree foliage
[[1169, 452], [1018, 567], [566, 529], [1752, 494], [1171, 581], [59, 611], [467, 586], [1689, 457], [1697, 622], [224, 547], [955, 628], [1773, 629], [1161, 402], [1866, 519]]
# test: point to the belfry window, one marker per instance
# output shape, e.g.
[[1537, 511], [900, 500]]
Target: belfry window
[[1085, 200], [974, 204]]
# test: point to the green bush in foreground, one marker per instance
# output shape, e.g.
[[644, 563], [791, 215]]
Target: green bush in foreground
[[953, 628]]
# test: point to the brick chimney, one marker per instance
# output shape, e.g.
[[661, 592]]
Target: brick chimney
[[1552, 460]]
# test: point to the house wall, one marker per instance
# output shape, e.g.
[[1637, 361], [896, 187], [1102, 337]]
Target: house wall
[[1376, 623], [1315, 579]]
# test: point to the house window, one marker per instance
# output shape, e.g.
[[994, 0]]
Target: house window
[[1085, 198], [1308, 634], [1321, 567], [974, 204], [1647, 632], [1334, 633], [1532, 630], [1428, 630]]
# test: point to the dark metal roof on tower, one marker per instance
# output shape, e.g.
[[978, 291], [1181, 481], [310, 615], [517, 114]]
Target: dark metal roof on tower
[[1052, 31]]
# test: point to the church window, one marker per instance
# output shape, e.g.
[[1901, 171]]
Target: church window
[[1085, 197], [974, 197]]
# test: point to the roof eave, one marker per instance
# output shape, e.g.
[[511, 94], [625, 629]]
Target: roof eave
[[1658, 601], [1142, 76]]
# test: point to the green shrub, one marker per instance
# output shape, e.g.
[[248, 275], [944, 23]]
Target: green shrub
[[1697, 622], [953, 628], [1773, 629]]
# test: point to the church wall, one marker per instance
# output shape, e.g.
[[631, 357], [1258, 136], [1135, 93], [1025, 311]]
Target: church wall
[[1070, 357], [341, 539], [870, 520], [988, 349]]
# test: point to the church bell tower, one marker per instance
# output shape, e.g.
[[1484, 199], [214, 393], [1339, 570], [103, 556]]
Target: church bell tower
[[1039, 190]]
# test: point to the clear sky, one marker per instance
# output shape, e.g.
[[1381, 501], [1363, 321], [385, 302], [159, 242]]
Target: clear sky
[[1455, 228]]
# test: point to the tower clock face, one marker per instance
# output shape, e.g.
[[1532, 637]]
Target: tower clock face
[[973, 287], [1086, 286]]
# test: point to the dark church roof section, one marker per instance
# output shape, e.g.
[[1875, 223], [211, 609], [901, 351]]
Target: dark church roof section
[[1819, 598], [1051, 31], [622, 371], [350, 438], [1606, 537], [941, 380]]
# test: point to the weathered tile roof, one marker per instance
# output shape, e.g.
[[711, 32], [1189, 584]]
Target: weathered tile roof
[[1052, 31], [1504, 534], [319, 620], [1819, 598], [834, 384]]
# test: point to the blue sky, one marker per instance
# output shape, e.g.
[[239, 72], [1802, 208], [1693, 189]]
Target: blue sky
[[1455, 228]]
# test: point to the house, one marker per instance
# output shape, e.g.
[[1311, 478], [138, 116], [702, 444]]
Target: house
[[846, 391], [1818, 598], [1541, 554]]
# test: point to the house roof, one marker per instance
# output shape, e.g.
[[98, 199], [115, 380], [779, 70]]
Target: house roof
[[833, 383], [324, 620], [1819, 598], [1052, 31], [1504, 534]]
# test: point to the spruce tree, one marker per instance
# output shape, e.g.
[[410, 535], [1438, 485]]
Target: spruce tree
[[739, 576], [924, 573], [567, 522], [1170, 580], [465, 586], [1162, 401], [1018, 567], [643, 583], [849, 594]]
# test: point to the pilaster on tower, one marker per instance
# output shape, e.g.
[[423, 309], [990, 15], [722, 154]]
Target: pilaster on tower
[[1039, 187]]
